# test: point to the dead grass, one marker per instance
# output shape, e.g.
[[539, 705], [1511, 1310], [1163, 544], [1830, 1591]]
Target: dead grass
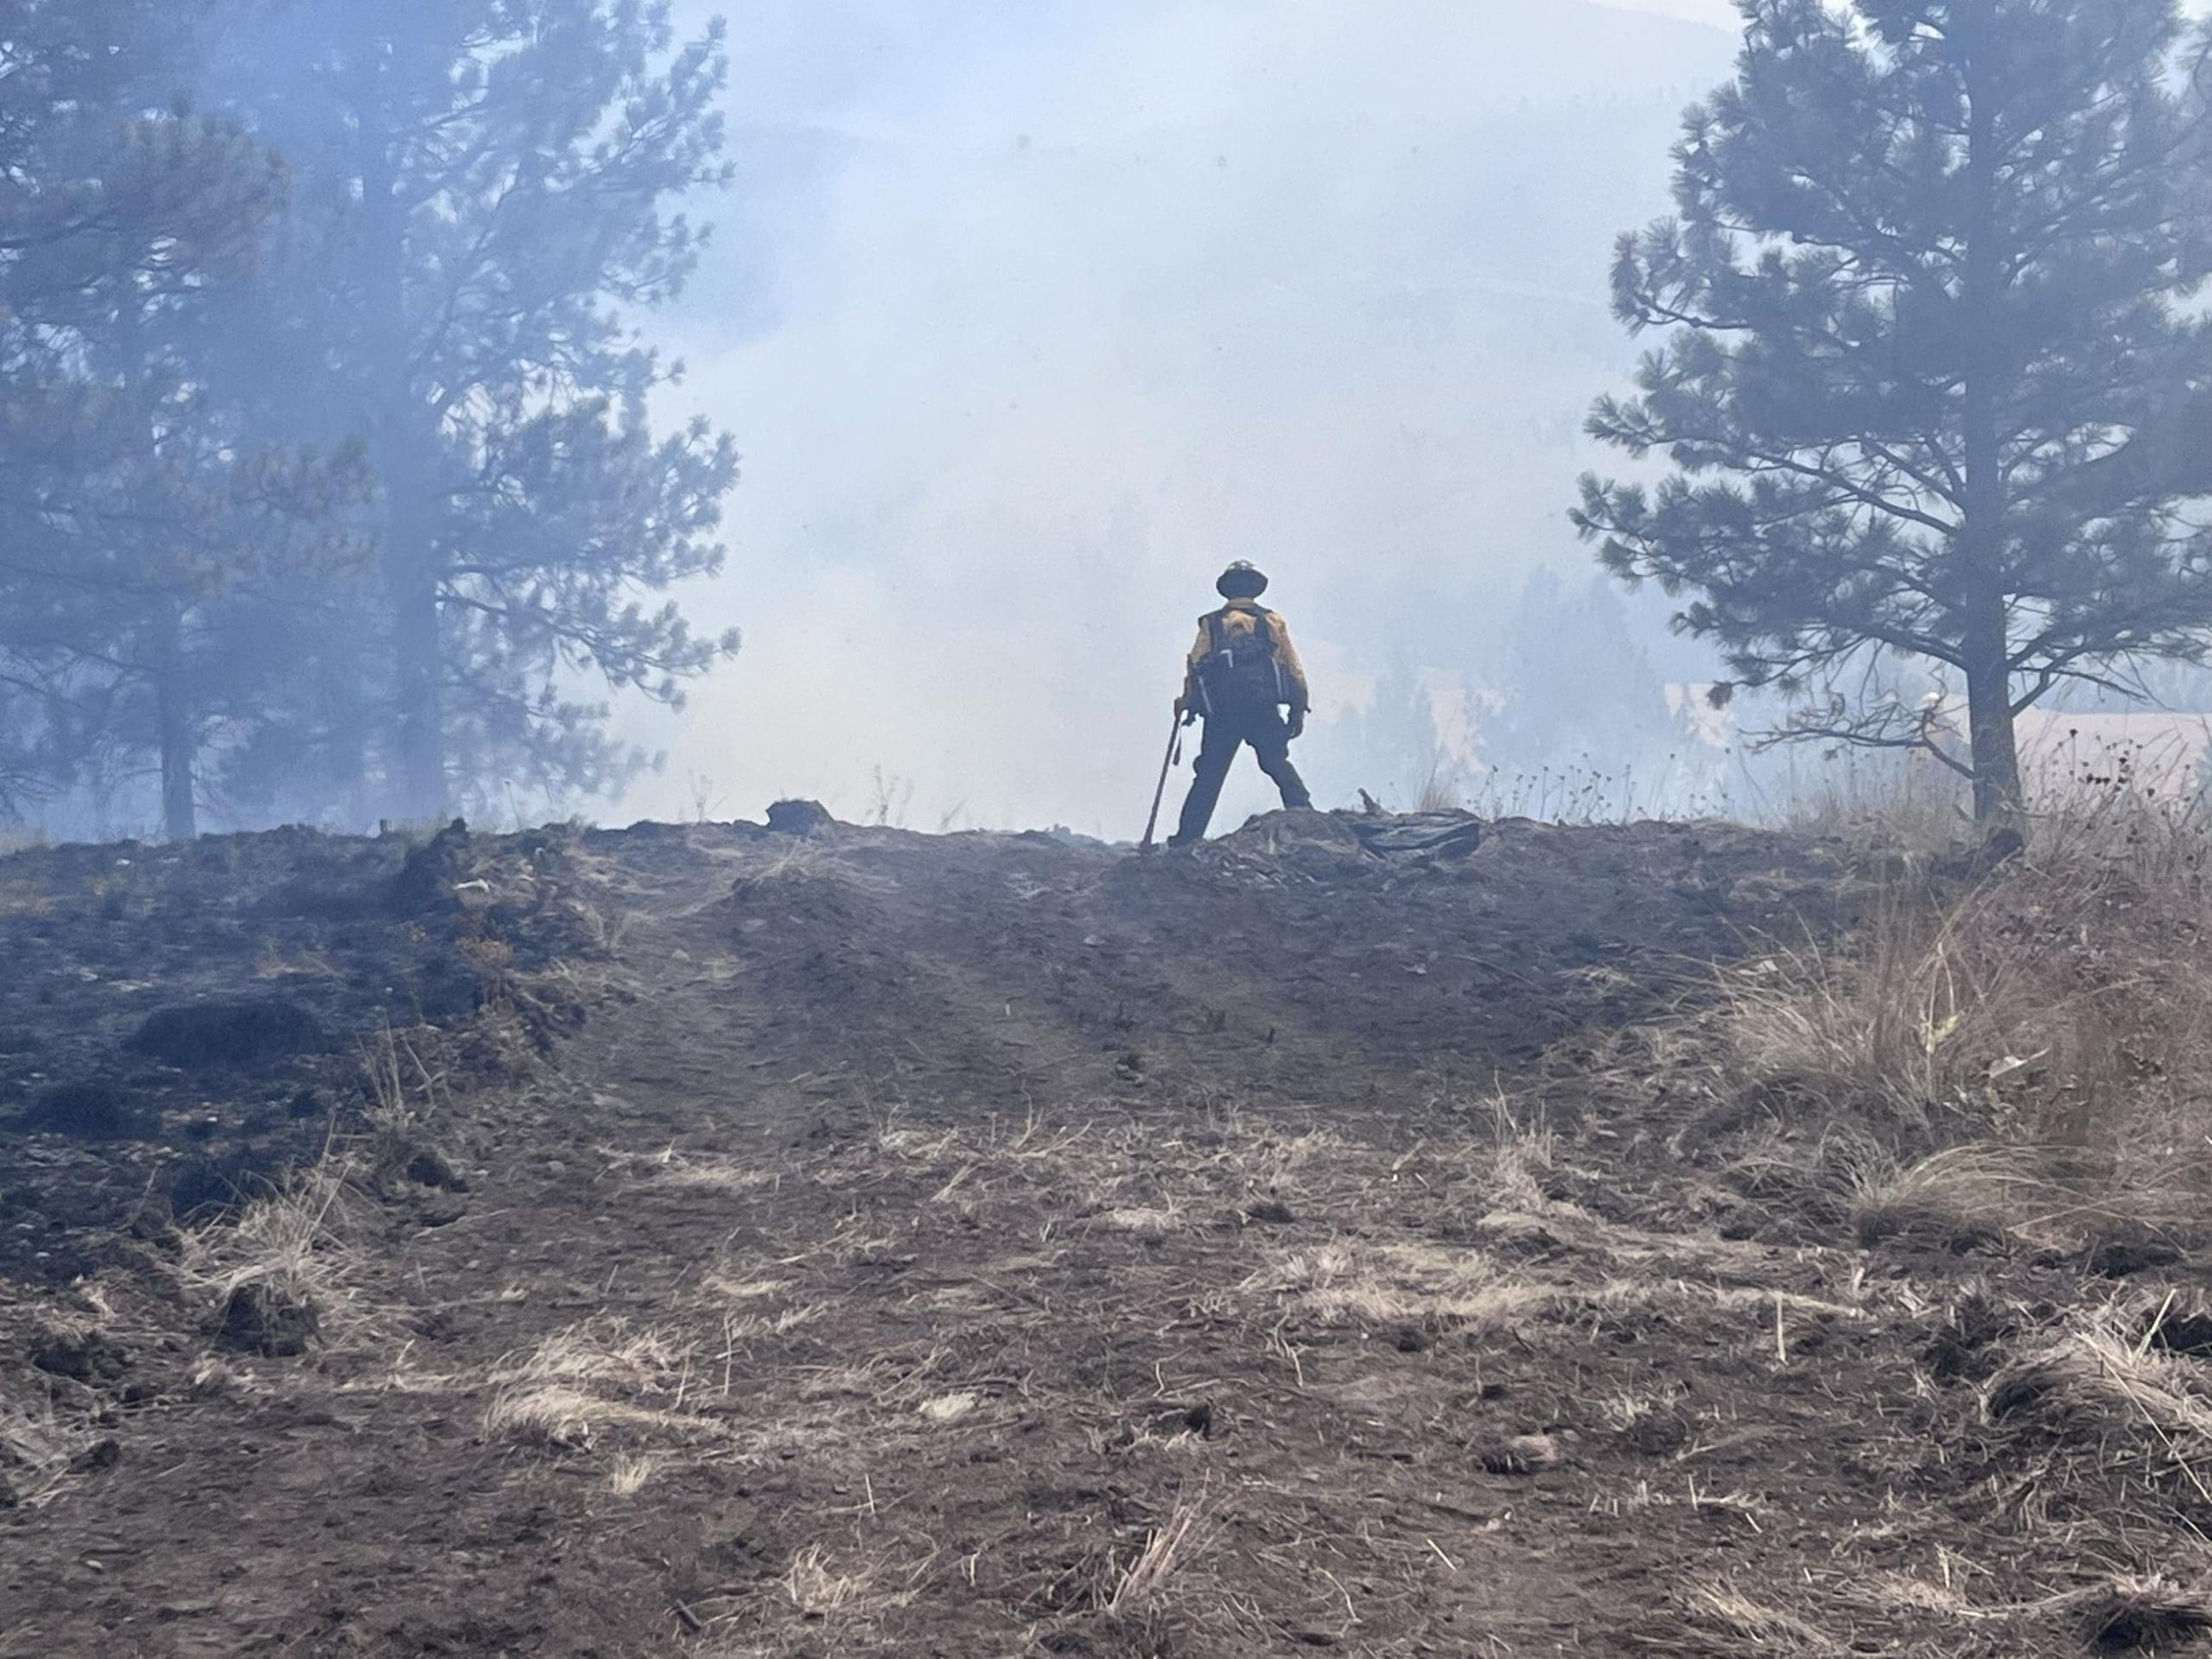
[[1726, 1619], [1867, 800], [632, 1474], [292, 1243], [2045, 1033], [1167, 1548], [1586, 793], [2116, 1422], [1152, 1177], [692, 1173], [1520, 1162], [1443, 1287], [309, 962], [38, 1451], [1441, 791], [2141, 1613], [590, 1378], [1401, 1284], [816, 1589], [2045, 1195]]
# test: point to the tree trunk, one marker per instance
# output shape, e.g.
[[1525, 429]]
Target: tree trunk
[[176, 729], [407, 464], [2000, 804], [180, 744], [419, 659], [1984, 616]]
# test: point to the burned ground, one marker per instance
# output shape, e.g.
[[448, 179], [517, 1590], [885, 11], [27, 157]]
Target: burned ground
[[1333, 1240], [177, 1024]]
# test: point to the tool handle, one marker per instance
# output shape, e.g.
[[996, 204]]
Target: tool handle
[[1166, 765]]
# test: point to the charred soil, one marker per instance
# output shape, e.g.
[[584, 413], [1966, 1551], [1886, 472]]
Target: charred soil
[[713, 1240]]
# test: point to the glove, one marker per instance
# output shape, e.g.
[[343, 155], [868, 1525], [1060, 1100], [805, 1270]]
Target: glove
[[1298, 722], [1190, 714]]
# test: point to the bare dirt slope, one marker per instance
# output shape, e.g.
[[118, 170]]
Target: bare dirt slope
[[873, 1243]]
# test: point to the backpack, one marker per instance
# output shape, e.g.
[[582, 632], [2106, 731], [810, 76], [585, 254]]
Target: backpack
[[1240, 673]]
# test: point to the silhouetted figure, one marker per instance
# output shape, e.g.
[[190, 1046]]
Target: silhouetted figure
[[1242, 674]]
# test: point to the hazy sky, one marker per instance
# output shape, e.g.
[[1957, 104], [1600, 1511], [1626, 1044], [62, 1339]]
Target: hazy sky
[[1719, 13], [1029, 315]]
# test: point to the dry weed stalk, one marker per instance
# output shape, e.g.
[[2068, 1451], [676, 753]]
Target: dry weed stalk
[[1519, 1161], [1142, 1583]]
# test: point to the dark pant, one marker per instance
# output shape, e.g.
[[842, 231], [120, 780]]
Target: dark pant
[[1269, 736]]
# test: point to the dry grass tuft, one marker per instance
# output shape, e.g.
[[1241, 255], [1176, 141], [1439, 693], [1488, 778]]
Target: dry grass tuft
[[1441, 791], [2124, 1425], [587, 1377], [1520, 1163], [2141, 1614], [950, 1407], [1872, 1032], [290, 1247], [550, 1416], [632, 1473], [37, 1453], [1391, 1284], [2051, 1026], [817, 1590], [1724, 1621], [1144, 1580], [2040, 1195]]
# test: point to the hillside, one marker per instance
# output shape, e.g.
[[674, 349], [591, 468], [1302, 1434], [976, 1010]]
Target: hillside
[[1346, 1238]]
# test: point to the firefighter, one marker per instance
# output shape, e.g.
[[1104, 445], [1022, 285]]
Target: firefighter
[[1242, 676]]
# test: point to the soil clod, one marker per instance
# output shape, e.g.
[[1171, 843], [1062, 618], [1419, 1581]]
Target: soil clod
[[102, 1454], [430, 1168], [205, 1036], [2123, 1258], [95, 1110], [81, 1356], [263, 1318], [809, 819], [1519, 1455], [430, 877]]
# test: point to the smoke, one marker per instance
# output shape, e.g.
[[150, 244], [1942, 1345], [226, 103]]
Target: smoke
[[1030, 321]]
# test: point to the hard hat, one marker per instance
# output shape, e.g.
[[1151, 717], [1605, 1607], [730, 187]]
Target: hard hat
[[1243, 580]]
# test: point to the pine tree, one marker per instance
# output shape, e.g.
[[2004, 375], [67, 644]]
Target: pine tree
[[1933, 386], [487, 196], [130, 510]]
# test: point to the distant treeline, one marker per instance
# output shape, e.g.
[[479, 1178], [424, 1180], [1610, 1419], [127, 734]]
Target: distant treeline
[[328, 491]]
